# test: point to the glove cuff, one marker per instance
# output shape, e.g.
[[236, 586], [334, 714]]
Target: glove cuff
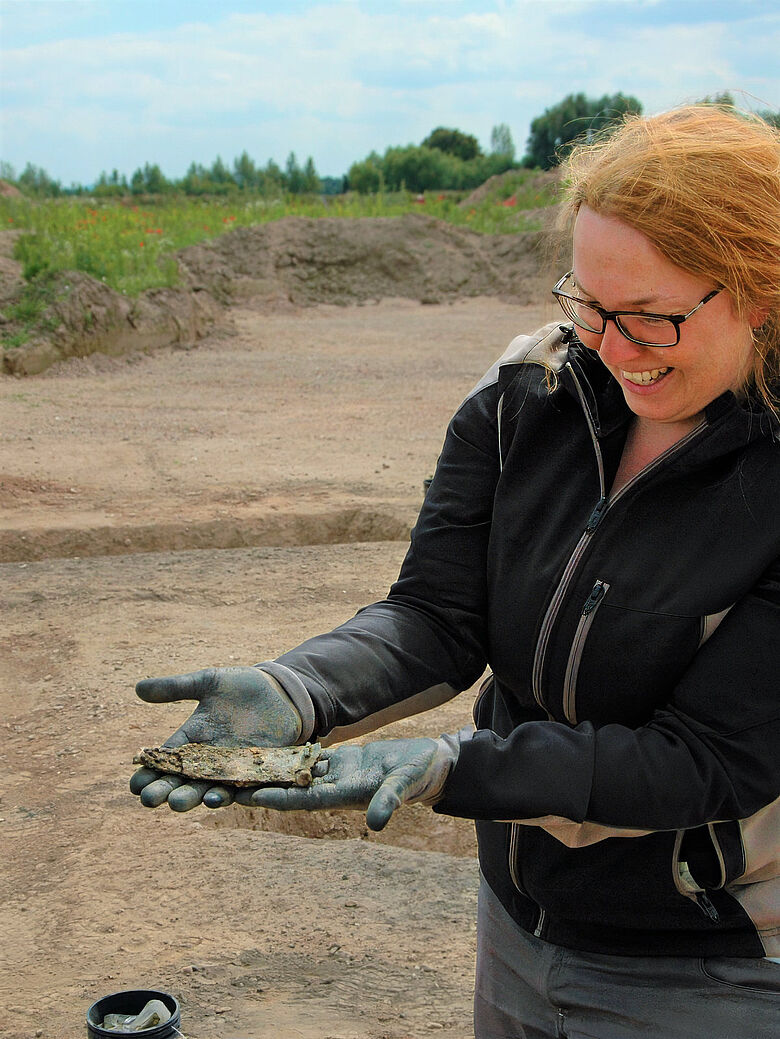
[[447, 753], [297, 693]]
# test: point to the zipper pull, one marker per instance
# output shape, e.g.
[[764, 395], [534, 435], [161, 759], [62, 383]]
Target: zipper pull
[[595, 516], [595, 597], [569, 335], [707, 907], [560, 1024]]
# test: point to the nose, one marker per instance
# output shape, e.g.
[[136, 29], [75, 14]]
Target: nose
[[615, 349]]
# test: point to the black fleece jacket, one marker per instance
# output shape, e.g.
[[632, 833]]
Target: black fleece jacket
[[630, 724]]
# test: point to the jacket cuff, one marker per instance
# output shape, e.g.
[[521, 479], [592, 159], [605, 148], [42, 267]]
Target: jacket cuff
[[297, 692], [540, 769]]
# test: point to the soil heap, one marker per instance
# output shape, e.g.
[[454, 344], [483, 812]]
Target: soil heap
[[295, 260]]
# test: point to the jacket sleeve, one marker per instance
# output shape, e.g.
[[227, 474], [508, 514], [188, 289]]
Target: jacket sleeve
[[710, 754], [426, 641]]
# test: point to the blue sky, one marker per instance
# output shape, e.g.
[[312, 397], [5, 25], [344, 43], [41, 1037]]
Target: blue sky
[[91, 85]]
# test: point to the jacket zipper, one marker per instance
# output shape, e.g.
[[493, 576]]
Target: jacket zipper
[[590, 528], [499, 414], [587, 617], [603, 505]]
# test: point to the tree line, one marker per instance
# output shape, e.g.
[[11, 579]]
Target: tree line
[[447, 159], [218, 179]]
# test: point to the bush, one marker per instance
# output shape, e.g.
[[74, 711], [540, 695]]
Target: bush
[[418, 169], [366, 177]]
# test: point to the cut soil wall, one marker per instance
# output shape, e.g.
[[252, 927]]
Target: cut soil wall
[[296, 260]]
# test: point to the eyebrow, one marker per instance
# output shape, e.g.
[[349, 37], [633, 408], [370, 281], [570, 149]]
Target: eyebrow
[[634, 303]]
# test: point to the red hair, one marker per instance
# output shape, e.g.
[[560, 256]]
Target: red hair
[[703, 184]]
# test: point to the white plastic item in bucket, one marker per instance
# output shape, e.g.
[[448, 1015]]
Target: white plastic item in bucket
[[131, 1003]]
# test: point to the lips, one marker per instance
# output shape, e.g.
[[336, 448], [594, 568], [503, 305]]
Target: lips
[[647, 377]]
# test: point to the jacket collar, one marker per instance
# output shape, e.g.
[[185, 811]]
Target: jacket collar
[[603, 395], [730, 422]]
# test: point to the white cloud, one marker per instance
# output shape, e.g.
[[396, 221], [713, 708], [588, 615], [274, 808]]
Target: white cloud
[[338, 79]]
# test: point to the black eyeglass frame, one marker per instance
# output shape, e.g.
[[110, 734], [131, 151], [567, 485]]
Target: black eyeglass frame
[[614, 315]]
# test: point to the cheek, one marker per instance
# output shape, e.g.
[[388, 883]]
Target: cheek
[[589, 339], [737, 365], [736, 357]]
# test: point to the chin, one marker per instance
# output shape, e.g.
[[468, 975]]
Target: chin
[[654, 411]]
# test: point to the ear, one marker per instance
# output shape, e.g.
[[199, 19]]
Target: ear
[[757, 316]]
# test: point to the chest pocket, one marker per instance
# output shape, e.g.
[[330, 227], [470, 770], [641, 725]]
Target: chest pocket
[[623, 664]]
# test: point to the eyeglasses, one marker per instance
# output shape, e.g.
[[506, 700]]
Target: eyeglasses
[[643, 329]]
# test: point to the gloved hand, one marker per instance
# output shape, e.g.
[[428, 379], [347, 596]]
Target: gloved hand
[[379, 776], [238, 707]]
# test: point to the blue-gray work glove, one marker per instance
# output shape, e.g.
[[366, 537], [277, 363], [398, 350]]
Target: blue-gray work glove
[[378, 776], [237, 707]]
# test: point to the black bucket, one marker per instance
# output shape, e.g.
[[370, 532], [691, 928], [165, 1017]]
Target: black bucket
[[132, 1002]]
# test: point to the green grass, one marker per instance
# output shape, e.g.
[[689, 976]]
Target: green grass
[[27, 313], [131, 246]]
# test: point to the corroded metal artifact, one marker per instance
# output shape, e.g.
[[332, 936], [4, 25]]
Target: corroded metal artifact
[[238, 766]]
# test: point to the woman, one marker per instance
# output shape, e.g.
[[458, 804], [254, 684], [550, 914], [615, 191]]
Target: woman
[[603, 531]]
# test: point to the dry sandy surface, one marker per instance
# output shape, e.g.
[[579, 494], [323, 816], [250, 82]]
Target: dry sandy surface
[[203, 507]]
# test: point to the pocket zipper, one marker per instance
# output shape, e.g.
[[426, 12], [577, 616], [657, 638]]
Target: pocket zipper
[[487, 683], [514, 873], [592, 603], [514, 865], [686, 884], [706, 906]]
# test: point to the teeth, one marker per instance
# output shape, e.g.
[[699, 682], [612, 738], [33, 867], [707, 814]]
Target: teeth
[[645, 378]]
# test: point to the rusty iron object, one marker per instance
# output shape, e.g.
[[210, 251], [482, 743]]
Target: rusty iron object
[[237, 766]]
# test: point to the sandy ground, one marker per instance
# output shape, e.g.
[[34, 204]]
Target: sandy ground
[[207, 507]]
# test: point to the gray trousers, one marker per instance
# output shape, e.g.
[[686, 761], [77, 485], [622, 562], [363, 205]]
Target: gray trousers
[[527, 988]]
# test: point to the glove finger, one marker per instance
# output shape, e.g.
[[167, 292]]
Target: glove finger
[[188, 796], [141, 778], [383, 804], [179, 738], [155, 794], [283, 799], [243, 796], [219, 797], [173, 687]]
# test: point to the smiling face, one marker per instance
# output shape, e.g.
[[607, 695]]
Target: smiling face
[[619, 268]]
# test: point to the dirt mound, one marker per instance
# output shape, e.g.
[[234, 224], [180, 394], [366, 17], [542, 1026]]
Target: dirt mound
[[543, 180], [11, 282], [486, 189], [9, 190], [307, 261], [88, 317], [297, 261]]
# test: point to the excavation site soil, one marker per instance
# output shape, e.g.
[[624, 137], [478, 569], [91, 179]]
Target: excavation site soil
[[214, 502]]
